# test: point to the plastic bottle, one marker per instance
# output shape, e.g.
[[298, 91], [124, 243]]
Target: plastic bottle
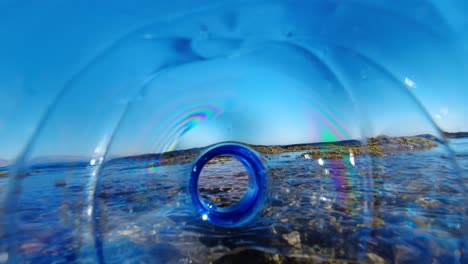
[[216, 131]]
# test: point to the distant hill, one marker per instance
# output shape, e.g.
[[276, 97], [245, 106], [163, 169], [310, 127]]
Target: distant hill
[[58, 158], [455, 135], [4, 163]]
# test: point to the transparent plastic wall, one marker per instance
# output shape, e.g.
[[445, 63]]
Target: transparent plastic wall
[[186, 132]]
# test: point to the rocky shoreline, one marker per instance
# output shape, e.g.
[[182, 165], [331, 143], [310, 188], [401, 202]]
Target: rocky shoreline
[[379, 146], [455, 134], [375, 147]]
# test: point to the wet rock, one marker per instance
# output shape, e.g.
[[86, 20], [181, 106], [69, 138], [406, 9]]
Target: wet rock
[[127, 232], [334, 154], [377, 222], [372, 258], [60, 183], [293, 239], [219, 160], [4, 257], [248, 256], [406, 253], [150, 253], [212, 162], [32, 247]]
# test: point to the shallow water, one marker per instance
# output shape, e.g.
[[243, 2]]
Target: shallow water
[[411, 209]]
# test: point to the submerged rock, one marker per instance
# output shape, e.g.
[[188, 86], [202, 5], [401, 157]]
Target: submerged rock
[[247, 255], [293, 238], [372, 258]]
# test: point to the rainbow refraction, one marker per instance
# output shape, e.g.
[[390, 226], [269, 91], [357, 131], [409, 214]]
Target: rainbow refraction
[[178, 125], [332, 128]]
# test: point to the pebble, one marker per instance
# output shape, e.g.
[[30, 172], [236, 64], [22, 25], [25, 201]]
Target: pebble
[[31, 247], [3, 257], [406, 253], [293, 238], [126, 232], [374, 259]]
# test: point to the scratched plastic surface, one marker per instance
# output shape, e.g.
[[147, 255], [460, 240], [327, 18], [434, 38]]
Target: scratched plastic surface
[[108, 109]]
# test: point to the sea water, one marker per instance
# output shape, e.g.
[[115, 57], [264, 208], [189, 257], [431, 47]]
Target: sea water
[[315, 212]]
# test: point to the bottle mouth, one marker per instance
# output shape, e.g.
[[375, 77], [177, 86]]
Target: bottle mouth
[[249, 205]]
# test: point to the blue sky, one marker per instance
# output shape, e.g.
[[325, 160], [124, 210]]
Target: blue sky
[[256, 73]]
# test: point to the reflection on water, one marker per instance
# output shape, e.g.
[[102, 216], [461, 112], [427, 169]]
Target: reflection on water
[[318, 209]]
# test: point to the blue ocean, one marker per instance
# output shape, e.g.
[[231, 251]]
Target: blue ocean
[[316, 212]]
